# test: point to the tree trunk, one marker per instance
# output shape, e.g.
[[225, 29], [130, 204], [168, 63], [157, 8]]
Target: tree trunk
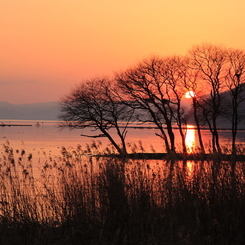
[[121, 151], [171, 137], [234, 124], [198, 126]]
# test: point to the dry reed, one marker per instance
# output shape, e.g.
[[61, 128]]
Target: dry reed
[[79, 199]]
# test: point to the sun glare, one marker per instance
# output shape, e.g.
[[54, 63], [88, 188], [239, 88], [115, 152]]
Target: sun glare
[[190, 139], [189, 94]]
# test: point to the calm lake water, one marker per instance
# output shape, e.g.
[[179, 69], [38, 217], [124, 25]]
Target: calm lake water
[[47, 137]]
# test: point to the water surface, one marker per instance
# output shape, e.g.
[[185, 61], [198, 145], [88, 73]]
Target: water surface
[[47, 136]]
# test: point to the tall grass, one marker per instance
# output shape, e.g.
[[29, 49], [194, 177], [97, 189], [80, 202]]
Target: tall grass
[[87, 200]]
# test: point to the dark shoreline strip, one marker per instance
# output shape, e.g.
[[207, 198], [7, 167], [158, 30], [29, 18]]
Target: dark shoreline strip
[[15, 125], [179, 156]]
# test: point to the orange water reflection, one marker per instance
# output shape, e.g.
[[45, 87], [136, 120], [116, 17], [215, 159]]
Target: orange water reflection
[[190, 168], [190, 138], [190, 141]]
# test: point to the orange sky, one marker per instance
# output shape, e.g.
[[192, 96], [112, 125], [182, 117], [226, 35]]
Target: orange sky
[[47, 46]]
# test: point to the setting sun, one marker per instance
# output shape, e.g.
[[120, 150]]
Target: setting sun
[[189, 94]]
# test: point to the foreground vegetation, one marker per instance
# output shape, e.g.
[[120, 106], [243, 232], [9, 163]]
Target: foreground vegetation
[[75, 199]]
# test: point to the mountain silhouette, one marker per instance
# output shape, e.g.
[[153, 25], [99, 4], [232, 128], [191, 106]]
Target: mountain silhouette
[[36, 111]]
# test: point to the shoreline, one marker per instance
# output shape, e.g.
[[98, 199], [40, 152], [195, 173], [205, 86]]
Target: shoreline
[[178, 156], [15, 125]]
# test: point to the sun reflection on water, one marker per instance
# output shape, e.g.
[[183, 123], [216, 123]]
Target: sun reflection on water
[[190, 168], [190, 139]]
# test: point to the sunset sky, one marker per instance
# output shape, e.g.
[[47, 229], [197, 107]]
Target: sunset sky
[[47, 46]]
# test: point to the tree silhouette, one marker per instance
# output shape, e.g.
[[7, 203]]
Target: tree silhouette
[[97, 104], [190, 82], [156, 89], [210, 61], [235, 78]]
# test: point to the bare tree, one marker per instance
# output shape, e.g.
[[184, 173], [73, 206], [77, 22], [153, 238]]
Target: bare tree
[[210, 60], [146, 88], [174, 72], [155, 87], [97, 104], [235, 78], [190, 82]]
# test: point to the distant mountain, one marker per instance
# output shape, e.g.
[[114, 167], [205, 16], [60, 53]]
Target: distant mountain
[[224, 122], [36, 111]]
